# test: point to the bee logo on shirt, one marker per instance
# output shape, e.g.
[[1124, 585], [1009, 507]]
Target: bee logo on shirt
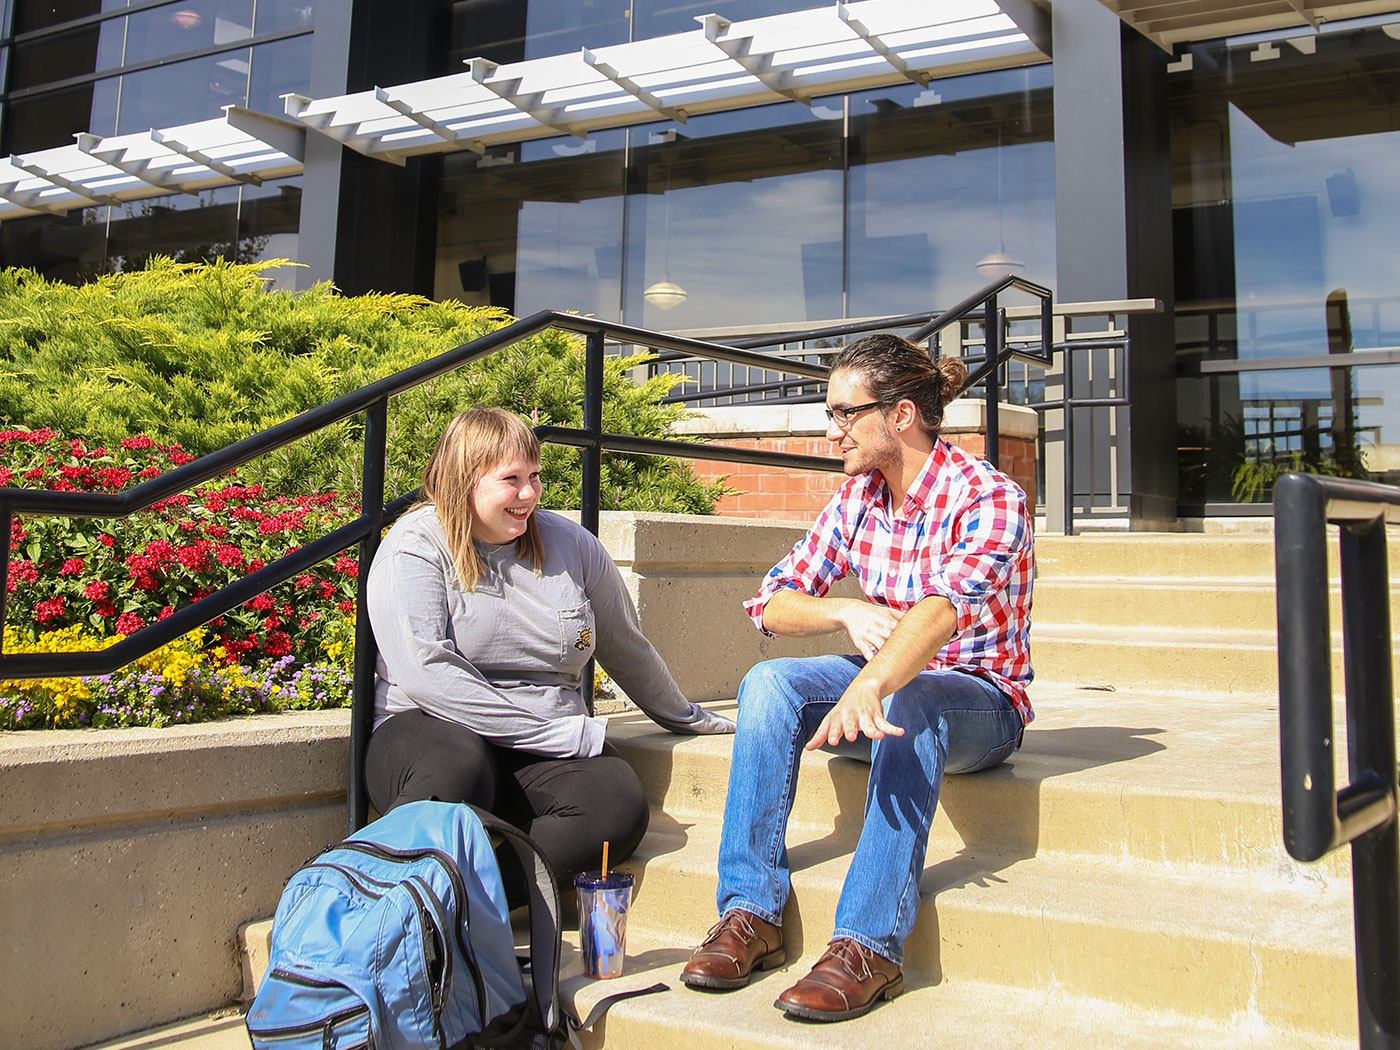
[[585, 639]]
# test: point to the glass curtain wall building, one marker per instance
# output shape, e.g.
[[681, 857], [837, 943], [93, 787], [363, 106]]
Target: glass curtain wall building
[[1244, 181], [110, 67]]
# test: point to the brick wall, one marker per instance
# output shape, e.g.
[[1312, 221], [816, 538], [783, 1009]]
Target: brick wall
[[775, 492]]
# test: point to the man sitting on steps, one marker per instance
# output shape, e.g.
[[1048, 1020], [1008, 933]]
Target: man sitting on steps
[[941, 544]]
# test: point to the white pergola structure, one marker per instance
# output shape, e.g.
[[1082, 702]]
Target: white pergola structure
[[1170, 22], [242, 146], [722, 65]]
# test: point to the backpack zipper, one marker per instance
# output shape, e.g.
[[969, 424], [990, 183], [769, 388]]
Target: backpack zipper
[[462, 902], [325, 1024], [429, 923]]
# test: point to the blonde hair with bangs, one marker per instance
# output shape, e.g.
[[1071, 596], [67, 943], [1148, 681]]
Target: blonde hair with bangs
[[473, 443]]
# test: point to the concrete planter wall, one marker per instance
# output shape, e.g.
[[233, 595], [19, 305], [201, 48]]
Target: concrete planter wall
[[129, 858]]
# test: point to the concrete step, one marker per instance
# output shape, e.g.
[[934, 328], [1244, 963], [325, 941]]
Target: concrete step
[[1213, 603], [1172, 554], [1186, 781], [952, 1014], [1137, 935], [1230, 662]]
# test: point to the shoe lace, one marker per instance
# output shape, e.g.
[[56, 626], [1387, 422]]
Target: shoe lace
[[743, 929], [852, 957]]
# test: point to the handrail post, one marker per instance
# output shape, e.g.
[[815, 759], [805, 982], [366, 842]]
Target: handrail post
[[991, 323], [1371, 749], [1067, 435], [9, 515], [362, 694], [592, 458]]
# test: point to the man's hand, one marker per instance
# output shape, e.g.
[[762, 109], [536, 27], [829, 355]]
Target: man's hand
[[869, 625], [858, 711]]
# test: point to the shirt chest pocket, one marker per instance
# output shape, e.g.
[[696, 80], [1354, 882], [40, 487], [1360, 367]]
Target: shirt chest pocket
[[576, 636]]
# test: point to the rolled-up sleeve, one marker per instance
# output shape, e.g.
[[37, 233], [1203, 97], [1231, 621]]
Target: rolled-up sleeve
[[992, 533], [816, 561]]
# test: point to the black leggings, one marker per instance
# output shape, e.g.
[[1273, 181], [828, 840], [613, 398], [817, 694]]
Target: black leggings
[[570, 806]]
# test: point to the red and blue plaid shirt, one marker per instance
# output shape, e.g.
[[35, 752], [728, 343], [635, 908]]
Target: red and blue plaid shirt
[[963, 533]]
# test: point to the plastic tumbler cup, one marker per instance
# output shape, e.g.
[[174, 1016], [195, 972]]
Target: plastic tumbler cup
[[602, 920]]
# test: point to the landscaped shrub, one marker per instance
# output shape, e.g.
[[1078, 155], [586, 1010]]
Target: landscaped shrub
[[199, 355]]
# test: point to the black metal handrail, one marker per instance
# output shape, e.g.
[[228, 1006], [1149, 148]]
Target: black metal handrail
[[1318, 818], [365, 530], [373, 400]]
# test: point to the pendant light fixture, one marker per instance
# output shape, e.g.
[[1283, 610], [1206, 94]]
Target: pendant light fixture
[[666, 294], [999, 264]]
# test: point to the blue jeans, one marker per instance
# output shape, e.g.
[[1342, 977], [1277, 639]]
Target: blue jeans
[[953, 722]]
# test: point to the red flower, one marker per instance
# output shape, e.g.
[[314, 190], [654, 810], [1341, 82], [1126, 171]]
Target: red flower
[[327, 589], [193, 557], [138, 441], [5, 475], [347, 565], [113, 477], [129, 623], [304, 581], [177, 456], [272, 622], [162, 550], [72, 567], [254, 564], [106, 608], [144, 581], [97, 590], [279, 643], [23, 571], [105, 540], [167, 610], [49, 609], [228, 554], [347, 606], [261, 603]]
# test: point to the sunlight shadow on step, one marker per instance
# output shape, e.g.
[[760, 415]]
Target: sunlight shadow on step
[[996, 814]]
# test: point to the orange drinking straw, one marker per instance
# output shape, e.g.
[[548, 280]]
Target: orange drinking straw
[[605, 861]]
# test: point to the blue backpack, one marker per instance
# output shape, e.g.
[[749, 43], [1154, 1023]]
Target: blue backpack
[[399, 938]]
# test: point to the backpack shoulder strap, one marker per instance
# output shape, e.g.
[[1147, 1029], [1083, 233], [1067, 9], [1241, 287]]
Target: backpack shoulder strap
[[545, 937]]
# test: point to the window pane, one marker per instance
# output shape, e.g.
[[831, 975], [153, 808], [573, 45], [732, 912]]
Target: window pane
[[742, 211], [53, 58], [663, 17], [183, 93], [535, 226], [268, 222], [46, 121], [187, 227], [69, 247], [279, 67], [39, 14], [276, 15], [189, 26], [950, 188]]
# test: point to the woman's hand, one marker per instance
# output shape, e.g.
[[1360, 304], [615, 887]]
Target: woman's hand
[[869, 625]]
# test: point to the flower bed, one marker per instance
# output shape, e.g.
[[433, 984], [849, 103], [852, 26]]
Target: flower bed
[[81, 583]]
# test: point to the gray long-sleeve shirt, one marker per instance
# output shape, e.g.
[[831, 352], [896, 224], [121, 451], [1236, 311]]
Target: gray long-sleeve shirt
[[506, 659]]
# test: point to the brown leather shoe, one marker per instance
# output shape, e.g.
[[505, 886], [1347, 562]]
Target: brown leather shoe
[[846, 982], [733, 947]]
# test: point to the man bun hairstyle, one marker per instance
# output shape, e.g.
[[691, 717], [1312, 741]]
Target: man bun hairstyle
[[892, 369]]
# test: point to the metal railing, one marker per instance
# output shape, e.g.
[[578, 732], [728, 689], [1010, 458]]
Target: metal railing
[[375, 514], [1318, 818]]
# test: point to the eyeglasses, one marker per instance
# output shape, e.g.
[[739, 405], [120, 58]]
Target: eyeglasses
[[842, 417]]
